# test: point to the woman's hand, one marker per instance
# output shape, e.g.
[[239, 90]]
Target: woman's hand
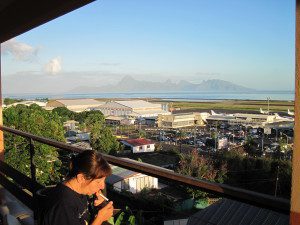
[[98, 199], [104, 214]]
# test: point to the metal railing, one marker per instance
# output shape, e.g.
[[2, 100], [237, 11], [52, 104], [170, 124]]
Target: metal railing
[[222, 190]]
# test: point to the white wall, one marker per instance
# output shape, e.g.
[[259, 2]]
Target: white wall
[[143, 148], [115, 112], [138, 183]]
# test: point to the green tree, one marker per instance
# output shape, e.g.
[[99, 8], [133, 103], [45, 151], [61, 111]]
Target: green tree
[[93, 117], [261, 173], [251, 147], [103, 140], [8, 101], [82, 127], [283, 145], [197, 166], [142, 134], [35, 120], [158, 147], [64, 113]]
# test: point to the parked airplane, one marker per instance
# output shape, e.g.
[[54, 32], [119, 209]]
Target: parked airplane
[[263, 112], [290, 113], [285, 118], [213, 113]]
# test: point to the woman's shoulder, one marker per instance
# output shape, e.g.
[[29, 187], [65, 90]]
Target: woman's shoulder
[[65, 206], [67, 195]]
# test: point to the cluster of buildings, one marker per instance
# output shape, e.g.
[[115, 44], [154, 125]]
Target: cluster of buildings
[[130, 111], [181, 120], [126, 112], [251, 120], [158, 115]]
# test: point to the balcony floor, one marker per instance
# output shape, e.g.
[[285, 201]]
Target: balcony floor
[[11, 209]]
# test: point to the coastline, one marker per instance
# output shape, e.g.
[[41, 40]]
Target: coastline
[[168, 96]]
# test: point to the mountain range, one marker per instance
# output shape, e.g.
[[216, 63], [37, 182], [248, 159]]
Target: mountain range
[[129, 84]]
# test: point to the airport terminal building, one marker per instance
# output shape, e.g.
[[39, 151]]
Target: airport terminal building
[[133, 108], [251, 120]]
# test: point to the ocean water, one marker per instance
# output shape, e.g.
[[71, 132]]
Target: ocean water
[[175, 96]]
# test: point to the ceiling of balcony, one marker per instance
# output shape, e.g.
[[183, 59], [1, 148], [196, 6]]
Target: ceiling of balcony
[[19, 16]]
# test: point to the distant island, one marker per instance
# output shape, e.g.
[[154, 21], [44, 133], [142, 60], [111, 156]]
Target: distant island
[[129, 84]]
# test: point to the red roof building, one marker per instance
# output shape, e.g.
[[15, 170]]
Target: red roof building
[[140, 145]]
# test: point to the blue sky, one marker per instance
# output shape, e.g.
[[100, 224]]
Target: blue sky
[[250, 43]]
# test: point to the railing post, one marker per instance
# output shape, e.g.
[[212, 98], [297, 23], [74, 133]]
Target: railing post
[[295, 196], [33, 177], [32, 164], [1, 117]]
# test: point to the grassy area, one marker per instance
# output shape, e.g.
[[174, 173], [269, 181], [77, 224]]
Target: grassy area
[[157, 158], [246, 105], [281, 106]]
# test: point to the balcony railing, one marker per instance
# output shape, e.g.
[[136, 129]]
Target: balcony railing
[[24, 188]]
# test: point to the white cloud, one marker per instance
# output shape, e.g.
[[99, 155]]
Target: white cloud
[[54, 66], [18, 50]]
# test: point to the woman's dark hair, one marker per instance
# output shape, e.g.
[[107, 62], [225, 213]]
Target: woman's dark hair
[[91, 164]]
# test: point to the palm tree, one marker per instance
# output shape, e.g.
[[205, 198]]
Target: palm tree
[[251, 146], [180, 135]]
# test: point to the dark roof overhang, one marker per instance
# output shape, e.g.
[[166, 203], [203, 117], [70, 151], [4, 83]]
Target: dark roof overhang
[[19, 16]]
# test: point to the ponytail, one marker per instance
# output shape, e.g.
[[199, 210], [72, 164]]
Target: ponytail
[[90, 163]]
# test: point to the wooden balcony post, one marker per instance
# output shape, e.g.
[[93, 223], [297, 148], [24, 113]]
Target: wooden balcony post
[[295, 198], [1, 117]]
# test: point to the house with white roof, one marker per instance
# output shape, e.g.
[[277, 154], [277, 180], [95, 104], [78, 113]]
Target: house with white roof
[[75, 136], [127, 180], [139, 145], [75, 105], [71, 125]]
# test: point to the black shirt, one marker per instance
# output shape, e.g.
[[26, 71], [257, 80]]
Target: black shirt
[[65, 207]]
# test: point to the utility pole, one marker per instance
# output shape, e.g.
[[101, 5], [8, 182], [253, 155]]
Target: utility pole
[[277, 180], [195, 136], [262, 143], [268, 98], [287, 138], [216, 136], [215, 143]]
